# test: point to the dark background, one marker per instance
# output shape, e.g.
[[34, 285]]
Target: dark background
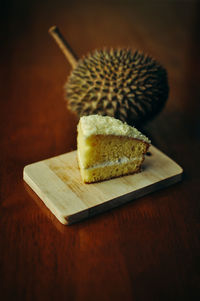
[[146, 250]]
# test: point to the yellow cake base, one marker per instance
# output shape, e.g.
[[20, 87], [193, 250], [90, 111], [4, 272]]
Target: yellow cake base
[[108, 148], [97, 174]]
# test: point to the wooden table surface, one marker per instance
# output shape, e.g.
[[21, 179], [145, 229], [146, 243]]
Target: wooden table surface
[[148, 249]]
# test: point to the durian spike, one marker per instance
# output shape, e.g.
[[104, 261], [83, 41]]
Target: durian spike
[[64, 46]]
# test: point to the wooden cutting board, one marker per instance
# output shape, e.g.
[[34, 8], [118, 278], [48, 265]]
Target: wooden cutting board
[[58, 183]]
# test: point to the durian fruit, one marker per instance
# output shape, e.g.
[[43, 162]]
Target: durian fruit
[[127, 85]]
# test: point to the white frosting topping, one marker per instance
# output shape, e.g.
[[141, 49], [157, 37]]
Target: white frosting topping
[[106, 125]]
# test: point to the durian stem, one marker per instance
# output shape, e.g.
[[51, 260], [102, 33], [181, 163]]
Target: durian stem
[[64, 46]]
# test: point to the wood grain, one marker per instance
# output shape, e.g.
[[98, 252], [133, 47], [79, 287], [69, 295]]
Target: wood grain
[[58, 183], [145, 250]]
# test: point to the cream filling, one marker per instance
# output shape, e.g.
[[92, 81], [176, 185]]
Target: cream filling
[[119, 161]]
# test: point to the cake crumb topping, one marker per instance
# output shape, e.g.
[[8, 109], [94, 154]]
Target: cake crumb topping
[[106, 125]]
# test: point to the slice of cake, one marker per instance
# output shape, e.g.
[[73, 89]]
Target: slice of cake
[[108, 148]]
